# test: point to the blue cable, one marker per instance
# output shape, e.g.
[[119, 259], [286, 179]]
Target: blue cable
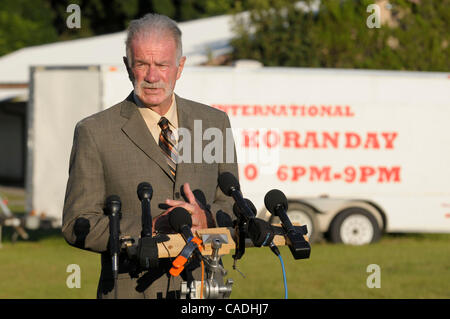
[[284, 278]]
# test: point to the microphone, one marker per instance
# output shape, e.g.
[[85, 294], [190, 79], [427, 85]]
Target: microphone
[[238, 212], [277, 204], [230, 187], [113, 207], [223, 219], [201, 201], [148, 249], [145, 193], [181, 221], [200, 197], [259, 231]]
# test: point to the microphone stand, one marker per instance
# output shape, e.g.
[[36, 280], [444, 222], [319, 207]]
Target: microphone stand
[[113, 207]]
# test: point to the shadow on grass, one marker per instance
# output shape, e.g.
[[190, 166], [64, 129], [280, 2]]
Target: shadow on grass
[[9, 235]]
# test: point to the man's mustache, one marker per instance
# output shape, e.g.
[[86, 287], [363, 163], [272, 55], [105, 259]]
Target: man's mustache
[[157, 85]]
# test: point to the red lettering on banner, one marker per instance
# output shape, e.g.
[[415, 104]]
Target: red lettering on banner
[[332, 139], [311, 138], [271, 139], [294, 109], [338, 111], [317, 173], [235, 109], [291, 136], [366, 171], [250, 139], [372, 139], [246, 110], [286, 111], [282, 111], [258, 110], [312, 111], [297, 172], [386, 174], [350, 174], [250, 172], [272, 109], [352, 140], [281, 173], [348, 111], [318, 140], [327, 110], [389, 138]]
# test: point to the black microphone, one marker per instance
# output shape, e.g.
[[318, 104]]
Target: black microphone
[[277, 204], [223, 219], [259, 231], [238, 212], [200, 198], [145, 193], [201, 201], [113, 207], [181, 221], [229, 185]]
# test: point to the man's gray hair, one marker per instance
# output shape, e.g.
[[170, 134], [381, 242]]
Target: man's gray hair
[[153, 23]]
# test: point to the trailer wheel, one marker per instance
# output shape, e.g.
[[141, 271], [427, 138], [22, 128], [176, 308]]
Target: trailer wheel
[[355, 226], [303, 215]]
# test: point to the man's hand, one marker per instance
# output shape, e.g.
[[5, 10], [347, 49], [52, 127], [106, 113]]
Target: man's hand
[[198, 215]]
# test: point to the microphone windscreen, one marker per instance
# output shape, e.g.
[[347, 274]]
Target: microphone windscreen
[[238, 212], [223, 219], [250, 205], [200, 196], [112, 198], [110, 201], [260, 232], [274, 198], [226, 182], [179, 217], [144, 190]]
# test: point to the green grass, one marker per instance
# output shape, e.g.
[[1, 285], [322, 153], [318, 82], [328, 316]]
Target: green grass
[[36, 268], [412, 266]]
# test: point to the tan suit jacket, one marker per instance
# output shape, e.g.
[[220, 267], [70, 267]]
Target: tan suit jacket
[[113, 151]]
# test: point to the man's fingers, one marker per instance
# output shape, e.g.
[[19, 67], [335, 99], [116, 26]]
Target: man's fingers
[[190, 196], [173, 202], [176, 203]]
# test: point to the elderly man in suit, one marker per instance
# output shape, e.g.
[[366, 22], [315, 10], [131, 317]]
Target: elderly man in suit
[[135, 141]]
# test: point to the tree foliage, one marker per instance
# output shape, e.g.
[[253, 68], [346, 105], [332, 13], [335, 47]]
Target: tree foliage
[[25, 23], [413, 35]]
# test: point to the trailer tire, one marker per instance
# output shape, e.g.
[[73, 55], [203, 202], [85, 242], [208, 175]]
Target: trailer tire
[[355, 226], [304, 215]]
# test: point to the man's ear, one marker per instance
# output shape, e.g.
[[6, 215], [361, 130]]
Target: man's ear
[[130, 73], [181, 66]]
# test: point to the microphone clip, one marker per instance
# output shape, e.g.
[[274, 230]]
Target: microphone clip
[[193, 243]]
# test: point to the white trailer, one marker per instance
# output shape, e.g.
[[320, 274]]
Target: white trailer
[[356, 152]]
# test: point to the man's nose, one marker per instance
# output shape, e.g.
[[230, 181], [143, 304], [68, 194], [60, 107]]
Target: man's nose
[[152, 75]]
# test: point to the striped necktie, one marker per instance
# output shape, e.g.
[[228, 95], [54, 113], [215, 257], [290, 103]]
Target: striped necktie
[[167, 144]]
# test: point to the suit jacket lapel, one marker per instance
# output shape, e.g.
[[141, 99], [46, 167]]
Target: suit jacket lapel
[[185, 120], [137, 131]]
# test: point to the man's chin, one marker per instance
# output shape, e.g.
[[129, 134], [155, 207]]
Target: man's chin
[[152, 101]]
